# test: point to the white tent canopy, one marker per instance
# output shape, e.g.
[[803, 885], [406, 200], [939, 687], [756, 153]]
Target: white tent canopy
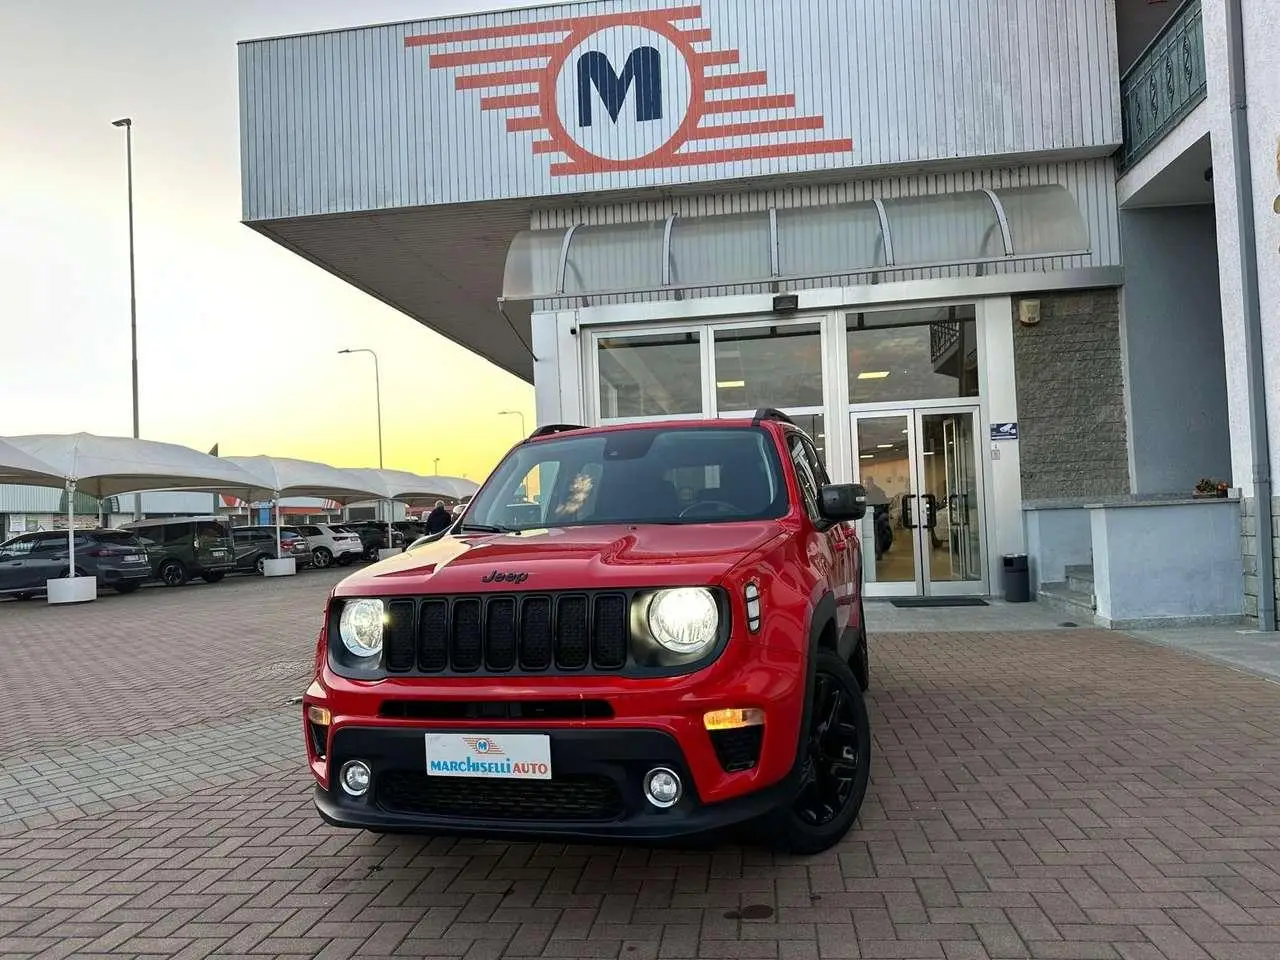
[[287, 477], [414, 489], [112, 466], [19, 467]]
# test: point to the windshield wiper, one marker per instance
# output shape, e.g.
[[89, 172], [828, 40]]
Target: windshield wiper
[[486, 528]]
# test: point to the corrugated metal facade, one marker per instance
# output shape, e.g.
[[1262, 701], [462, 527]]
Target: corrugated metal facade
[[1091, 183], [454, 111]]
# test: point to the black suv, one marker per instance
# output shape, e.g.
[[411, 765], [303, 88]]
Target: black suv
[[116, 557]]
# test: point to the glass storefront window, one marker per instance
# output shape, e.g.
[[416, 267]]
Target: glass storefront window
[[769, 366], [650, 376], [928, 353]]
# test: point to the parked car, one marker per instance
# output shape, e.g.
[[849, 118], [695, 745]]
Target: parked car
[[373, 535], [116, 557], [181, 549], [680, 648], [256, 545], [330, 544]]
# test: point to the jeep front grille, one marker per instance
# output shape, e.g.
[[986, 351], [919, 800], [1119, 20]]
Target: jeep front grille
[[572, 632]]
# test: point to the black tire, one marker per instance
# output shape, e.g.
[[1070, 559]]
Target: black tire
[[213, 577], [23, 597], [828, 802], [322, 558], [126, 588], [260, 565], [173, 574]]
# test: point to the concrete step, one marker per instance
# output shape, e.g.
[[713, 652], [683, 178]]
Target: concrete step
[[1080, 579], [1060, 596]]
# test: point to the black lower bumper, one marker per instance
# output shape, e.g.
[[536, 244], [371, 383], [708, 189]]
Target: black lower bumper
[[596, 791]]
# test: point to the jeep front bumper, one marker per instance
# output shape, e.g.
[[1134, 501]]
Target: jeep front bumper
[[596, 790]]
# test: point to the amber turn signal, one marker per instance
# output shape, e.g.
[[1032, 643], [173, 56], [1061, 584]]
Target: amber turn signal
[[320, 716], [733, 719]]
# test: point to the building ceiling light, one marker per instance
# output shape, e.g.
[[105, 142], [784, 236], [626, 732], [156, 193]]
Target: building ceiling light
[[730, 384], [885, 446], [868, 456], [873, 374]]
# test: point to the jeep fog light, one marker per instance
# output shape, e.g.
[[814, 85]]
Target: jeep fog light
[[361, 627], [685, 620], [355, 778], [662, 787]]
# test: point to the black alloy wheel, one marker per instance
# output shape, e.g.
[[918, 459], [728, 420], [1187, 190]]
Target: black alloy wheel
[[173, 573], [322, 558], [835, 768]]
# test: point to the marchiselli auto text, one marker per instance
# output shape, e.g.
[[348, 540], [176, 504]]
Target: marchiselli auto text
[[497, 768]]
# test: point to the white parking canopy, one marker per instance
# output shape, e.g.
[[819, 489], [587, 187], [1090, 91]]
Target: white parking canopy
[[19, 467], [112, 466]]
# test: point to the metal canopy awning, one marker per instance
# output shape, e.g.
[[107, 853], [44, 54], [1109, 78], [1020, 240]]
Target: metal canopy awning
[[908, 233]]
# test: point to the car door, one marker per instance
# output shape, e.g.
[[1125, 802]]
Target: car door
[[48, 558], [13, 564], [843, 538], [821, 548]]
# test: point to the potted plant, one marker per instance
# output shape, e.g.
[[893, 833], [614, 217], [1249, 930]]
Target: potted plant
[[1207, 489]]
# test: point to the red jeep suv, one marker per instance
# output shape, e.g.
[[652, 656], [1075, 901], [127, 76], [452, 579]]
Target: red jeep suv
[[642, 632]]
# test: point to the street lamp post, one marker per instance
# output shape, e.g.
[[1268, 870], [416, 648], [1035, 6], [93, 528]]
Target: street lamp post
[[437, 468], [514, 413], [127, 124], [377, 385]]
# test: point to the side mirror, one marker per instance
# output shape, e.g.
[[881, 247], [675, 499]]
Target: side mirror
[[843, 501]]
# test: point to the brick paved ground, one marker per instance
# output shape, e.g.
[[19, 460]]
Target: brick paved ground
[[1072, 794]]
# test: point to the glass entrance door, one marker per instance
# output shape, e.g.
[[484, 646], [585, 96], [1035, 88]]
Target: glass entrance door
[[922, 535]]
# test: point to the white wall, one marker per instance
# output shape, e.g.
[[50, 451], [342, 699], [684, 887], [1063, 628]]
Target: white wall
[[1175, 368], [1262, 54]]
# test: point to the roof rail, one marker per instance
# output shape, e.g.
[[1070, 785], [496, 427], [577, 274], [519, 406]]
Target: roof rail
[[768, 413], [553, 428]]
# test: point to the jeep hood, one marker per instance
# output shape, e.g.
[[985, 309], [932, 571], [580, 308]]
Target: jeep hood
[[567, 558]]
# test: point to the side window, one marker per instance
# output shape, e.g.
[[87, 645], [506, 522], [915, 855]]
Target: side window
[[816, 466], [311, 532], [49, 543], [804, 473], [19, 548]]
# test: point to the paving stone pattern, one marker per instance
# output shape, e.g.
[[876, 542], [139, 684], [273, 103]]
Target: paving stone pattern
[[157, 660], [1073, 794]]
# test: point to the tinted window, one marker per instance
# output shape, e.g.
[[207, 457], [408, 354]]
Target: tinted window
[[311, 531], [19, 548], [118, 537], [655, 475]]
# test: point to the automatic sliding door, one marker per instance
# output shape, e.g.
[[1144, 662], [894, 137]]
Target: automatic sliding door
[[950, 503], [891, 558]]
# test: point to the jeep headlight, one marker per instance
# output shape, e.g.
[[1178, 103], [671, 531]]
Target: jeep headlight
[[685, 621], [361, 627]]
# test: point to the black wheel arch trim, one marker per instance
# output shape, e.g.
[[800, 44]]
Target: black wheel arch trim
[[823, 616]]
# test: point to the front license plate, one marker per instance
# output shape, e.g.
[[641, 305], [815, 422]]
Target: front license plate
[[502, 757]]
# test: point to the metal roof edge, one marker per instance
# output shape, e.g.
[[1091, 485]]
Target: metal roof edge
[[510, 7]]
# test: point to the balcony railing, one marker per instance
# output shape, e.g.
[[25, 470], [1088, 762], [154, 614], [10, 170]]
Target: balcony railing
[[1164, 84]]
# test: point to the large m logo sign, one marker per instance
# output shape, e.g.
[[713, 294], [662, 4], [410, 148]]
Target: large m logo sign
[[643, 69]]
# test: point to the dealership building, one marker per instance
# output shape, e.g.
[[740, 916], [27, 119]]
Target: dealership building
[[1012, 265]]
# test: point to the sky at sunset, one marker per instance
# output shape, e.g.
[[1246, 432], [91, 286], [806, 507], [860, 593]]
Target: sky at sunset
[[238, 338]]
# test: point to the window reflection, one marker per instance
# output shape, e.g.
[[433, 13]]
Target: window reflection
[[920, 354], [769, 366], [650, 376]]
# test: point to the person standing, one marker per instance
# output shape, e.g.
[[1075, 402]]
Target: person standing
[[438, 519]]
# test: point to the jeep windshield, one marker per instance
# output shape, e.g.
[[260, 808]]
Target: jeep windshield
[[666, 475]]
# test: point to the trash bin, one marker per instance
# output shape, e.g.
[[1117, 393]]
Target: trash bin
[[1017, 578]]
